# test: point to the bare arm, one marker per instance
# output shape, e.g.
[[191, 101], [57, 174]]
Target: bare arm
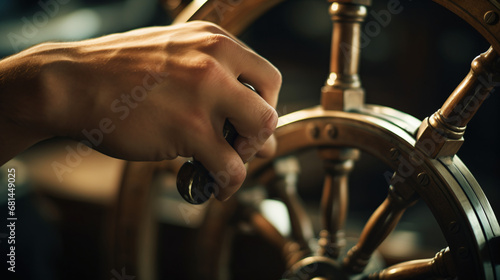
[[148, 94], [21, 103]]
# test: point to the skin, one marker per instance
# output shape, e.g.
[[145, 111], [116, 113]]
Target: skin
[[148, 94]]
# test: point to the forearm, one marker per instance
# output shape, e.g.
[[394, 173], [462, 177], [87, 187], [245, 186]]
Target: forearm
[[23, 109], [148, 94]]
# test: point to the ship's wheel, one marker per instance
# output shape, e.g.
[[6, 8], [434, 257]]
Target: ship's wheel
[[421, 155]]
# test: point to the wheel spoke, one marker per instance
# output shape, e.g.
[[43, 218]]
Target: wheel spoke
[[291, 251], [449, 122], [214, 233], [287, 170], [441, 266], [379, 226], [334, 201]]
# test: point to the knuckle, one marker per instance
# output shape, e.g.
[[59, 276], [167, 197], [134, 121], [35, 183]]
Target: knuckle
[[163, 152], [205, 65], [200, 125], [165, 155], [217, 42], [205, 25], [237, 177], [278, 78], [269, 120], [193, 125]]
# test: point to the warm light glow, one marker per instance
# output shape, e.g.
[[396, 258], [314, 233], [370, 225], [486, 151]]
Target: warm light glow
[[331, 79], [277, 214], [335, 6]]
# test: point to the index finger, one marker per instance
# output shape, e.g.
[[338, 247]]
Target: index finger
[[249, 67]]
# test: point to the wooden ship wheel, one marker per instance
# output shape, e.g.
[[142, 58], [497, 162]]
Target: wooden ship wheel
[[421, 154]]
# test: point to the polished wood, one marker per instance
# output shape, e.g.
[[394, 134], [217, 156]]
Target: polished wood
[[129, 212], [236, 15], [440, 267], [174, 7], [291, 250], [233, 15], [379, 226], [132, 231], [209, 241]]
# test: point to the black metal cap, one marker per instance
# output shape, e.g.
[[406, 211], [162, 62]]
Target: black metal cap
[[194, 182]]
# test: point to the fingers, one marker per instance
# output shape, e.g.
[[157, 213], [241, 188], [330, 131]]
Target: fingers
[[263, 76], [249, 113], [253, 115], [260, 73], [246, 65], [253, 118], [216, 29], [248, 148], [269, 148], [224, 165]]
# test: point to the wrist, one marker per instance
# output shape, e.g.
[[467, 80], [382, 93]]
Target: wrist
[[31, 107], [20, 91], [34, 89]]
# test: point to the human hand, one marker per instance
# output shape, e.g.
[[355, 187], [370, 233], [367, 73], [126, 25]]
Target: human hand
[[158, 93]]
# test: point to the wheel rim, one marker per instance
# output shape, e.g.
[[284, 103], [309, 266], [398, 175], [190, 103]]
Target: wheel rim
[[447, 183]]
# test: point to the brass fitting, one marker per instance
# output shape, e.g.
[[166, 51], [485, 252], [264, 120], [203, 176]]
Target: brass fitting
[[436, 138], [342, 90]]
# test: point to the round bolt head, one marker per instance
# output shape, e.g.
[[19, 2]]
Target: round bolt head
[[394, 153], [423, 179], [331, 131], [490, 17], [314, 131]]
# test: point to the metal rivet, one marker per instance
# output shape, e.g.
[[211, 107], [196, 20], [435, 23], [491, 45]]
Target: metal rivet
[[490, 17], [423, 179], [331, 131], [314, 131], [453, 227], [395, 153]]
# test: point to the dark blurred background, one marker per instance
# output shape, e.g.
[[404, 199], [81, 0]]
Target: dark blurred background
[[412, 65]]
